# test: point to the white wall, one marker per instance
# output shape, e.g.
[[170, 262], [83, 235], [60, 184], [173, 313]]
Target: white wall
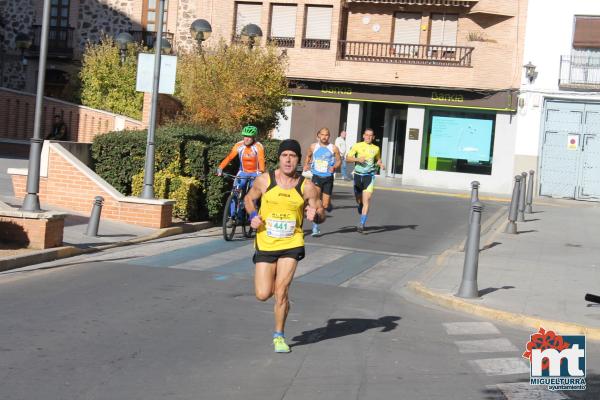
[[500, 181], [549, 35], [353, 122], [284, 126]]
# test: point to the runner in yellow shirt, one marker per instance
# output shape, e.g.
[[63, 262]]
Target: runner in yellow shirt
[[285, 196], [367, 157]]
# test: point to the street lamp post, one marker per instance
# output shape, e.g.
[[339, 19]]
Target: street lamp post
[[123, 40], [148, 191], [250, 34], [201, 31], [23, 42], [32, 200]]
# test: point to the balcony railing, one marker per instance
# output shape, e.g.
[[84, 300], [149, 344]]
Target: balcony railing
[[579, 72], [316, 43], [148, 38], [455, 56], [60, 41], [282, 41]]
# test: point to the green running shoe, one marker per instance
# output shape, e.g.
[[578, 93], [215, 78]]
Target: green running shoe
[[280, 346]]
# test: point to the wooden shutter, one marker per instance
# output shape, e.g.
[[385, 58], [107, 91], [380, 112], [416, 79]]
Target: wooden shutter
[[247, 13], [587, 32], [283, 21], [407, 28], [444, 28], [318, 22]]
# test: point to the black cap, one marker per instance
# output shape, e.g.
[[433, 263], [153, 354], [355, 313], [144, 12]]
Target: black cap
[[290, 144]]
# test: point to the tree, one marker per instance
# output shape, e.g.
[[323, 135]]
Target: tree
[[227, 87], [106, 83]]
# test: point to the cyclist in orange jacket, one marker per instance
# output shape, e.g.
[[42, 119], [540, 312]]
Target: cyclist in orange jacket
[[252, 159]]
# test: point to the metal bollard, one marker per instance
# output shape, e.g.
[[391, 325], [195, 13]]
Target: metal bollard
[[522, 191], [468, 286], [512, 213], [92, 228], [474, 198], [528, 208]]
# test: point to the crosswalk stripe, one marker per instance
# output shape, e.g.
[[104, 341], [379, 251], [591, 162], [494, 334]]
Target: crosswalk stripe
[[239, 253], [316, 258], [342, 269], [525, 391], [502, 366], [470, 328], [485, 345], [179, 256]]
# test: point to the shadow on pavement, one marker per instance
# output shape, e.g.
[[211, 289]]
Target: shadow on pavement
[[339, 327], [489, 290], [368, 229]]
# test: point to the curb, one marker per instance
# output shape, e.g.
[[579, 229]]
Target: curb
[[520, 320], [71, 251]]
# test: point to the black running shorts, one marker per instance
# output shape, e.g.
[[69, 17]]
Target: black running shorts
[[325, 183], [297, 253]]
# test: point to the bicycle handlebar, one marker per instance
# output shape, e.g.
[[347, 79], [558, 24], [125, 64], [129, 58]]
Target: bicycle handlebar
[[230, 176]]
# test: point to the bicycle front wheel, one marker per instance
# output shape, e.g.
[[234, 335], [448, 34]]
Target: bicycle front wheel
[[229, 223]]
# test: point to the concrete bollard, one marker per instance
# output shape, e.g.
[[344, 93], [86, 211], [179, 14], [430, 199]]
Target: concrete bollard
[[529, 208], [468, 286], [514, 205], [92, 228], [522, 191]]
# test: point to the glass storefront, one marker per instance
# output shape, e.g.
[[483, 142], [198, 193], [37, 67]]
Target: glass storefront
[[457, 141]]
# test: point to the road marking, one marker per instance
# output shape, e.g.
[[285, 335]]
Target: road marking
[[342, 269], [239, 253], [470, 328], [485, 346], [525, 391], [386, 253], [502, 366], [319, 258]]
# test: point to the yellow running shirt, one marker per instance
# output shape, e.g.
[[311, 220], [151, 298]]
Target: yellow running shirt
[[371, 154], [282, 211]]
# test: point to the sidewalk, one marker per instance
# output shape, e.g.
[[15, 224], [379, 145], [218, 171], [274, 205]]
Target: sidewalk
[[75, 241], [537, 278]]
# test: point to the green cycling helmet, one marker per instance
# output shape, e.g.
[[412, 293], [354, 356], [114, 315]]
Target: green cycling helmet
[[250, 130]]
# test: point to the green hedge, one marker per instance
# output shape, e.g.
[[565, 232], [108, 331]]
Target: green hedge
[[187, 157]]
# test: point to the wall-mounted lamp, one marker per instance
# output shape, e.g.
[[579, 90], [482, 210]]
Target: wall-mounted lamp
[[23, 42], [530, 71]]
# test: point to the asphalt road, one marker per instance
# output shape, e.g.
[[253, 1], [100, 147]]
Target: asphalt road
[[176, 318]]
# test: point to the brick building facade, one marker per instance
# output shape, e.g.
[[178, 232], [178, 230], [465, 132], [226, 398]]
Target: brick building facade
[[435, 79]]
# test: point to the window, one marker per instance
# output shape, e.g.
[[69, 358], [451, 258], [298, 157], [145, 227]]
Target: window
[[150, 16], [283, 25], [587, 32], [407, 33], [459, 142], [59, 14], [443, 29], [317, 31], [246, 13]]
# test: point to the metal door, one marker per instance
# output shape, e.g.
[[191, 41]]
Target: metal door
[[559, 172], [590, 170]]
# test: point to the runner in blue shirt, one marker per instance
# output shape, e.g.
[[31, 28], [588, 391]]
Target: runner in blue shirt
[[322, 160]]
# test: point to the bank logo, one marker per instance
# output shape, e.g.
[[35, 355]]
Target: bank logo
[[556, 361]]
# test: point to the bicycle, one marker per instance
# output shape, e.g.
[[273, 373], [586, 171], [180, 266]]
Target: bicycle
[[240, 217]]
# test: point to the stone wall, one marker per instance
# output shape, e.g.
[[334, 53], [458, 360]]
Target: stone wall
[[15, 17], [187, 12], [97, 17]]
